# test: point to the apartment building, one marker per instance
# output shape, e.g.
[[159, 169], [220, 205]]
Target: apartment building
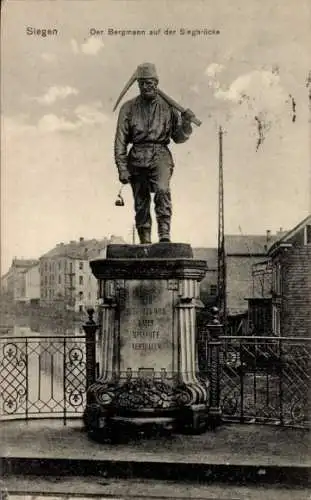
[[29, 286], [66, 279], [14, 282], [5, 283]]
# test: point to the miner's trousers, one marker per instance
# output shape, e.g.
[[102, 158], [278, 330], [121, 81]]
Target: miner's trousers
[[153, 179]]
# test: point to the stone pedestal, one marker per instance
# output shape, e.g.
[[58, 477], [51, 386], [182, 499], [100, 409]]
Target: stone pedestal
[[148, 360]]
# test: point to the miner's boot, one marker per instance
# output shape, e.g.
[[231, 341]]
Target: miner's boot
[[164, 226], [144, 234]]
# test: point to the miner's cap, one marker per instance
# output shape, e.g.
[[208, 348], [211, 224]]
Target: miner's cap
[[146, 70]]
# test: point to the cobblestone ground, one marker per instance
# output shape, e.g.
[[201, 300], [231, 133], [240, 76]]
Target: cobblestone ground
[[59, 488], [229, 444], [236, 444]]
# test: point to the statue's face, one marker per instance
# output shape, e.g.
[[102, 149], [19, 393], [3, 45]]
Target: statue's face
[[148, 87]]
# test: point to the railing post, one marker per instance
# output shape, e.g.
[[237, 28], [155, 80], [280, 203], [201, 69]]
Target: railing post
[[90, 328], [215, 329]]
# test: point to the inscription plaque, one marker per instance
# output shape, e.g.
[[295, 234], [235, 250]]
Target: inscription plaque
[[146, 325]]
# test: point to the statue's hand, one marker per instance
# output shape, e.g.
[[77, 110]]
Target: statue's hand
[[124, 177], [186, 118]]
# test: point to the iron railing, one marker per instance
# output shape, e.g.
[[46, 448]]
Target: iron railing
[[261, 379], [42, 376], [252, 379]]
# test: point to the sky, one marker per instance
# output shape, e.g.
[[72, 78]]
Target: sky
[[58, 177]]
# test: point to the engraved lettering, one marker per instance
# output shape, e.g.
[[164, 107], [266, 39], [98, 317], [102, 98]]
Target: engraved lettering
[[145, 311], [145, 323], [138, 334], [142, 346]]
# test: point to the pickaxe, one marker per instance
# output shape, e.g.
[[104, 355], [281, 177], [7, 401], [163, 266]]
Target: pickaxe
[[164, 96]]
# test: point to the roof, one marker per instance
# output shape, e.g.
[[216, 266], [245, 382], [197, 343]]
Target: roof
[[81, 249], [237, 244], [76, 249], [207, 254], [24, 263], [292, 232]]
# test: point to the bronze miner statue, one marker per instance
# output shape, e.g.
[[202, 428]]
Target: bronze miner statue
[[148, 122]]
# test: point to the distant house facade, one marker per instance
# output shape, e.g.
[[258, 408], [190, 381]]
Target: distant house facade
[[247, 276], [15, 278], [259, 318], [291, 282], [66, 279], [5, 283], [208, 286], [243, 254], [29, 286]]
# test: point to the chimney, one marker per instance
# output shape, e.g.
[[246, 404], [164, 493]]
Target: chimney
[[81, 239], [268, 235]]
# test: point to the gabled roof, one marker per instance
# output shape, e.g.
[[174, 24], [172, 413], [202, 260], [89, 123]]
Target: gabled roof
[[81, 249], [236, 244], [24, 263], [291, 233], [75, 249]]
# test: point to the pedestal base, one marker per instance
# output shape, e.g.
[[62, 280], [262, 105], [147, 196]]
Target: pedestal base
[[119, 428], [148, 375], [193, 420]]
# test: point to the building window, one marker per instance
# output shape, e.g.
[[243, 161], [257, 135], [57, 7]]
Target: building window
[[80, 295], [277, 279], [308, 234], [213, 290], [80, 308], [59, 264], [80, 280], [276, 321], [81, 266], [59, 279]]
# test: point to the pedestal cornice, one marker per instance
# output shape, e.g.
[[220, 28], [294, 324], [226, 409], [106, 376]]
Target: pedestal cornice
[[104, 269]]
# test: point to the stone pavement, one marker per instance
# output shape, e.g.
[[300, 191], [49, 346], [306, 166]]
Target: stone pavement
[[233, 444], [73, 488], [236, 453]]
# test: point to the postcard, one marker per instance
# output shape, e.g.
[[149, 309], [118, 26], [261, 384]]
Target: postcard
[[155, 212]]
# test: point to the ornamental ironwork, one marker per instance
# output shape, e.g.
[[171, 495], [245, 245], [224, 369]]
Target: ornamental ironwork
[[42, 376], [263, 379]]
